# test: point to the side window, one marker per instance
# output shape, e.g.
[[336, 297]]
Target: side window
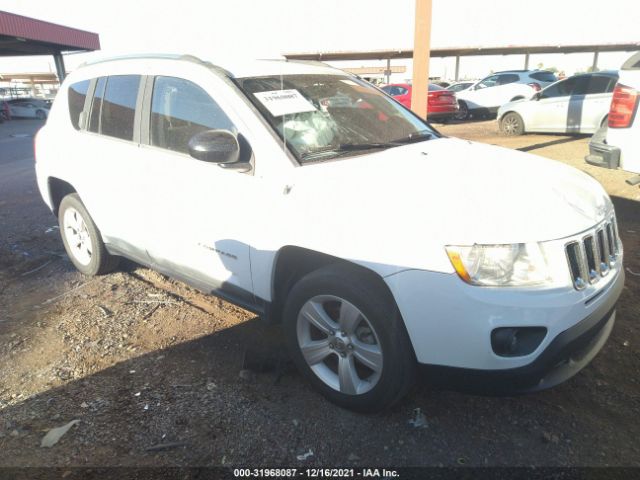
[[96, 105], [599, 84], [179, 110], [581, 86], [77, 94], [491, 81], [508, 78], [559, 89], [119, 106]]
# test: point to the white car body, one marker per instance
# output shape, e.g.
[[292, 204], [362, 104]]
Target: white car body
[[392, 212], [566, 110], [488, 94], [29, 109]]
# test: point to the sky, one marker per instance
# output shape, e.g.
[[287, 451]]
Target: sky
[[266, 29]]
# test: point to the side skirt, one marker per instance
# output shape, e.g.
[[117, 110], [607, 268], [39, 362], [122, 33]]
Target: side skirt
[[224, 290]]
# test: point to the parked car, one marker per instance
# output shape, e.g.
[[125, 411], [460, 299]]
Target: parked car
[[30, 108], [460, 86], [442, 104], [617, 143], [5, 111], [486, 96], [379, 244], [578, 104]]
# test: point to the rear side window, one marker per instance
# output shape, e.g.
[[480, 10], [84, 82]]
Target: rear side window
[[600, 84], [119, 106], [179, 110], [96, 105], [544, 76], [77, 95]]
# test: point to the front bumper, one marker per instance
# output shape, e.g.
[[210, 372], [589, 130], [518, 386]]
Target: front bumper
[[451, 329]]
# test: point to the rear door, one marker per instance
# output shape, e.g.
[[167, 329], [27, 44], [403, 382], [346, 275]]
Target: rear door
[[597, 98], [108, 174]]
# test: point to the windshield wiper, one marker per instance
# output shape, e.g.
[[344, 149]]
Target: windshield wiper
[[347, 148], [420, 136]]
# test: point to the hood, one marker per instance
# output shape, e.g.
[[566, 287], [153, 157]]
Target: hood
[[447, 192]]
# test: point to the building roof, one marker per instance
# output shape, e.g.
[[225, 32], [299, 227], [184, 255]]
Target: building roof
[[27, 36], [463, 51]]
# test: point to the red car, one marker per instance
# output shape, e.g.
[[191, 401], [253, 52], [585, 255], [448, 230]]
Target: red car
[[442, 104]]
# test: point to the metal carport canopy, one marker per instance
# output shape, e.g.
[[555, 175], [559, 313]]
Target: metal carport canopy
[[464, 51], [21, 35]]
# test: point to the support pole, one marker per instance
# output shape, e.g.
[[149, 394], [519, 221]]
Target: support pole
[[59, 62], [387, 72], [594, 67], [457, 77], [421, 52], [526, 61]]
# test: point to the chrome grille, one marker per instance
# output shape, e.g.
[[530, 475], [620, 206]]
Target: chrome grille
[[593, 256]]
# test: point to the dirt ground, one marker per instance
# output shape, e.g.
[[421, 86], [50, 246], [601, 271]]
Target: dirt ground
[[159, 374]]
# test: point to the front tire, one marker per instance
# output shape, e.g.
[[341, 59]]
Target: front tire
[[463, 111], [82, 239], [40, 115], [347, 338], [512, 124]]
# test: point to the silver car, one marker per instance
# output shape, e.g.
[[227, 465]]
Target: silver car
[[578, 104], [30, 108]]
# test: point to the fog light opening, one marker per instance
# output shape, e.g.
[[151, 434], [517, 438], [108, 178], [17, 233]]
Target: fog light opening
[[516, 341]]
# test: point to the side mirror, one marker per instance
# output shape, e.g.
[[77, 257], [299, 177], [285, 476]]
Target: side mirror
[[536, 96], [215, 146]]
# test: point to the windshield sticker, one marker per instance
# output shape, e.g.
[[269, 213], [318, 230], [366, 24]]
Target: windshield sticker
[[284, 102], [350, 82]]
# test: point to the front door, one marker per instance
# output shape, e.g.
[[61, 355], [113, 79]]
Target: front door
[[199, 213]]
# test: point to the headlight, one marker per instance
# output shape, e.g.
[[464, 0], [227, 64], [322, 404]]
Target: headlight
[[512, 265]]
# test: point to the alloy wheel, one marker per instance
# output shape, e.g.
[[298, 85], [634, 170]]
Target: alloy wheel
[[77, 235], [339, 344]]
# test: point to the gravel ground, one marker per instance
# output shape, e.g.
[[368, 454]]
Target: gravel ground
[[159, 374]]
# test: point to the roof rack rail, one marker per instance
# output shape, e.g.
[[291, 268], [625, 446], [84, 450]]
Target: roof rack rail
[[158, 56], [145, 56]]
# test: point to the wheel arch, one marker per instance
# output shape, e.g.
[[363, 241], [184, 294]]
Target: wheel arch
[[604, 120], [292, 262], [58, 189]]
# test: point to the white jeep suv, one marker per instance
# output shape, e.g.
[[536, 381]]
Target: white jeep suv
[[313, 199]]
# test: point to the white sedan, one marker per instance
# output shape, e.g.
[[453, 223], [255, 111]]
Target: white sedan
[[578, 104], [29, 108]]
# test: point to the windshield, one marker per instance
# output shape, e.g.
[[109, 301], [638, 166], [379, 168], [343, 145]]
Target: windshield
[[321, 117]]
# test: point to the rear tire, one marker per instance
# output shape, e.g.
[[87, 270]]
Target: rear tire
[[82, 239], [357, 352], [40, 115], [512, 124]]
